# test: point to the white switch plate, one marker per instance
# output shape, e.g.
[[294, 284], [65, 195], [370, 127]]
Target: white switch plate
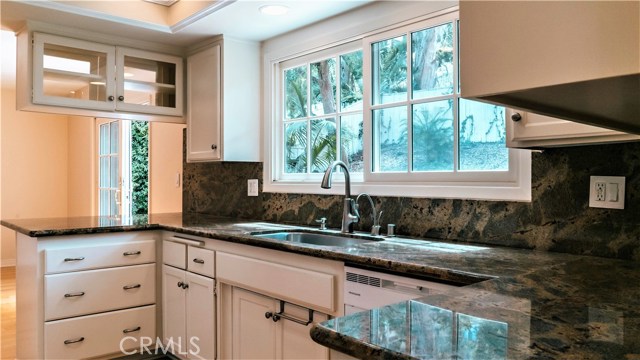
[[606, 192], [252, 187]]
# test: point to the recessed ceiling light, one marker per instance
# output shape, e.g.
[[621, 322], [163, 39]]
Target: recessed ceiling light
[[274, 10]]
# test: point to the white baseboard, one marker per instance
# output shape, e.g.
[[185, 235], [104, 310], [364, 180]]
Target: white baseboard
[[8, 262]]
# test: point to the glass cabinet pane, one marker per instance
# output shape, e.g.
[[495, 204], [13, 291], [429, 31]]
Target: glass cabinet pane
[[149, 82], [74, 73]]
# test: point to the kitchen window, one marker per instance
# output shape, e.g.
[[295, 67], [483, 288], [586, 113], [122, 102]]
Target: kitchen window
[[389, 106]]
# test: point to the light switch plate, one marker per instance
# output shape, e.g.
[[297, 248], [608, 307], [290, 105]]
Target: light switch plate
[[606, 192], [252, 187]]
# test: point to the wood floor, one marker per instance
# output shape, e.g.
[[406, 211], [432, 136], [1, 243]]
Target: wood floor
[[8, 313]]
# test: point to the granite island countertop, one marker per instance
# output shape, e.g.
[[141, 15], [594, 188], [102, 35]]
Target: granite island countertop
[[521, 304]]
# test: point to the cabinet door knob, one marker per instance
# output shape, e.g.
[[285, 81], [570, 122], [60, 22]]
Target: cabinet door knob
[[516, 117], [183, 284], [121, 98], [111, 98], [214, 147]]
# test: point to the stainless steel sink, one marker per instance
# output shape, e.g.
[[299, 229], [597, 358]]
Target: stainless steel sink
[[315, 239]]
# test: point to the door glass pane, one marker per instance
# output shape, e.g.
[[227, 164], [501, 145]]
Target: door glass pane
[[113, 210], [104, 139], [389, 64], [114, 137], [482, 137], [295, 147], [295, 97], [351, 144], [351, 81], [433, 136], [432, 57], [104, 171], [115, 176], [390, 139], [149, 82], [74, 73], [323, 87], [104, 202], [323, 144]]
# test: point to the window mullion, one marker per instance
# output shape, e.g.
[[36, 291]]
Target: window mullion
[[409, 105], [456, 100], [308, 118]]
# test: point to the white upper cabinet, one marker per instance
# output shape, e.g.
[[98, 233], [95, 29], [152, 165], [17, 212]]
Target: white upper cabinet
[[223, 102], [81, 77], [529, 130], [574, 60]]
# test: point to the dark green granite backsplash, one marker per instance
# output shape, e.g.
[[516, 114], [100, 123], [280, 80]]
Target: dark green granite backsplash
[[557, 219]]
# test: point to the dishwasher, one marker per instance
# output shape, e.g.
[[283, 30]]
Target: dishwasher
[[365, 289]]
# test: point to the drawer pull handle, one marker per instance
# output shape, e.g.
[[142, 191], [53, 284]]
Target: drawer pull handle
[[126, 331], [74, 259], [198, 261], [129, 287], [73, 341], [132, 253], [81, 293]]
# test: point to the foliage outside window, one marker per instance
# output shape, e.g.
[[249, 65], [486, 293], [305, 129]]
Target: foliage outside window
[[139, 167], [323, 114]]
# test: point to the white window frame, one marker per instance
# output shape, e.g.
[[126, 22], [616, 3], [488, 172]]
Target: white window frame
[[512, 185]]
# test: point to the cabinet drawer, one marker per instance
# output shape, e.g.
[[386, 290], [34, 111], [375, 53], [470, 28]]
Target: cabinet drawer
[[100, 334], [201, 261], [99, 256], [93, 291], [174, 254], [313, 289]]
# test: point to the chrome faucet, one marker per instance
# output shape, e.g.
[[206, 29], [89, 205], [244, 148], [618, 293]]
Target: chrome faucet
[[350, 212], [375, 228]]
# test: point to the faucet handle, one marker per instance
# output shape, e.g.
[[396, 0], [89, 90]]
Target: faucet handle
[[323, 223]]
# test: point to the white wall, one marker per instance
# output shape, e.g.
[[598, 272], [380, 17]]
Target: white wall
[[81, 184], [165, 157]]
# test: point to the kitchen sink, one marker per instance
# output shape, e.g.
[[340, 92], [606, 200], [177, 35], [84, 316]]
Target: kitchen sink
[[316, 239]]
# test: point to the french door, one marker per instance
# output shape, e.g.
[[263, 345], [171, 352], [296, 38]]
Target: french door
[[114, 167]]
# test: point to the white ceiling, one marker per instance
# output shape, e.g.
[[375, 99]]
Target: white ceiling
[[133, 18]]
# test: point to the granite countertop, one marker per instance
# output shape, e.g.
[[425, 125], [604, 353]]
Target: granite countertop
[[521, 304]]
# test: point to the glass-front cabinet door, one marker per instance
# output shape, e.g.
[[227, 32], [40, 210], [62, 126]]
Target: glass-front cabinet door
[[73, 73], [148, 82]]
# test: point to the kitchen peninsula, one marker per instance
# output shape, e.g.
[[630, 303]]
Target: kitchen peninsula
[[516, 304]]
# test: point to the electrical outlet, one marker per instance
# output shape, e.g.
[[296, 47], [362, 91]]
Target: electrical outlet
[[601, 190], [252, 187], [606, 192]]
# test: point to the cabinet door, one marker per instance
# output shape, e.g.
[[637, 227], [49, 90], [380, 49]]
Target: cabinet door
[[173, 309], [295, 341], [149, 82], [533, 130], [204, 112], [253, 335], [201, 321], [73, 73]]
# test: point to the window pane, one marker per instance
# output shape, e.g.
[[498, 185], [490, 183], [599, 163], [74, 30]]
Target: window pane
[[432, 68], [351, 81], [389, 63], [482, 137], [104, 139], [323, 87], [433, 136], [295, 147], [295, 98], [351, 144], [104, 202], [323, 144], [113, 210], [390, 139]]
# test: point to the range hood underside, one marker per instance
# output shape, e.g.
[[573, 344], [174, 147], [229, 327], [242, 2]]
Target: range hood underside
[[612, 103]]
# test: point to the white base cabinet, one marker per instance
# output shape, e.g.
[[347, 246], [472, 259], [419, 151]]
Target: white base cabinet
[[188, 299], [255, 334]]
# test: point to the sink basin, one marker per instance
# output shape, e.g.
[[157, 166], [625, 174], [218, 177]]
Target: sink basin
[[315, 239]]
